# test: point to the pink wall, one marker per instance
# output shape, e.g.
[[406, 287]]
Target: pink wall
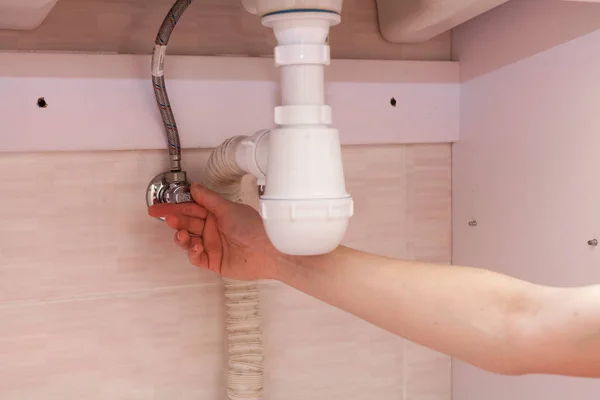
[[527, 168], [519, 29], [242, 92]]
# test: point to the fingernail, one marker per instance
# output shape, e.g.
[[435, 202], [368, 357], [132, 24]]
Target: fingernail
[[198, 248], [179, 236]]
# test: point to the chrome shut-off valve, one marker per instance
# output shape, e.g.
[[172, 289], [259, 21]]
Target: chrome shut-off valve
[[169, 187]]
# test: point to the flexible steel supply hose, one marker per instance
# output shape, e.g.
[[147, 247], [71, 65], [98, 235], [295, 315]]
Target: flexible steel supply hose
[[158, 80], [245, 376]]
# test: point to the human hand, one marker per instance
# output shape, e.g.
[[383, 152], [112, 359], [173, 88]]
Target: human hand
[[227, 238]]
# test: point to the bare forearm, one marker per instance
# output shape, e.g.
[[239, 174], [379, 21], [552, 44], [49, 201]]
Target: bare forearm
[[433, 305], [472, 314], [566, 336]]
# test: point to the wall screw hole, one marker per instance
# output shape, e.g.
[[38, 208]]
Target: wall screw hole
[[42, 103], [473, 223], [393, 102]]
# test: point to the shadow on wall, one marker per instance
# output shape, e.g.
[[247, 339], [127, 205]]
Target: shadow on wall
[[519, 29]]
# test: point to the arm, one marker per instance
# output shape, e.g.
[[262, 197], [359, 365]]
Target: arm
[[493, 321], [490, 320]]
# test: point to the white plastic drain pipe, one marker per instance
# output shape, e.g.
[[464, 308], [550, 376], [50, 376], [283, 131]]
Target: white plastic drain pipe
[[305, 206]]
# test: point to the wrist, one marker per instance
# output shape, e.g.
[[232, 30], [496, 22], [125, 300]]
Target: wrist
[[280, 265], [287, 268]]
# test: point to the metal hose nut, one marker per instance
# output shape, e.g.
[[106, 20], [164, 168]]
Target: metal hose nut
[[169, 187]]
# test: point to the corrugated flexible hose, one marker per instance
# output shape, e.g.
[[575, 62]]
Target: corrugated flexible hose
[[246, 356]]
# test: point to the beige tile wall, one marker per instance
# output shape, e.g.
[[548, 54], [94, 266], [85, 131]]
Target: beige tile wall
[[96, 303]]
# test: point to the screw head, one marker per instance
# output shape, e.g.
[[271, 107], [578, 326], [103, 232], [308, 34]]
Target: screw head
[[593, 242], [473, 223]]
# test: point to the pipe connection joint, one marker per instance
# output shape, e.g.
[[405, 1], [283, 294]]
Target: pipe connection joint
[[305, 207], [169, 187]]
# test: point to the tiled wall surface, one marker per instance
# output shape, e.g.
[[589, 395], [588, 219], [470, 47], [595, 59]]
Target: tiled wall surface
[[96, 302]]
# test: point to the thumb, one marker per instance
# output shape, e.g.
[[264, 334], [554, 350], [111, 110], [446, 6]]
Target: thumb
[[208, 199]]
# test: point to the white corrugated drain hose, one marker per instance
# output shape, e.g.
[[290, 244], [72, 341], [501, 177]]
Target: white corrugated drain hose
[[243, 325]]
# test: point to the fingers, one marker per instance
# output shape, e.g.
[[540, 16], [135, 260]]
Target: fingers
[[193, 225], [214, 203], [182, 239], [186, 241], [198, 257], [213, 248], [195, 248], [188, 209], [196, 225]]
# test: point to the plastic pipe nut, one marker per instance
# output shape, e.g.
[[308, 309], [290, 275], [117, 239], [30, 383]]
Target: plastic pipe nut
[[302, 54], [303, 115], [306, 227]]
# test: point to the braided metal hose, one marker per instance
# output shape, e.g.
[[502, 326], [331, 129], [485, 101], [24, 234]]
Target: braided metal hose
[[158, 80]]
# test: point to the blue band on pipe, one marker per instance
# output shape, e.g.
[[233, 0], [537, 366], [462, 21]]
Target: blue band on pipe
[[300, 10]]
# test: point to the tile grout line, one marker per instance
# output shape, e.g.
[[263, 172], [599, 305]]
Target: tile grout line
[[406, 151], [404, 368], [96, 296]]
